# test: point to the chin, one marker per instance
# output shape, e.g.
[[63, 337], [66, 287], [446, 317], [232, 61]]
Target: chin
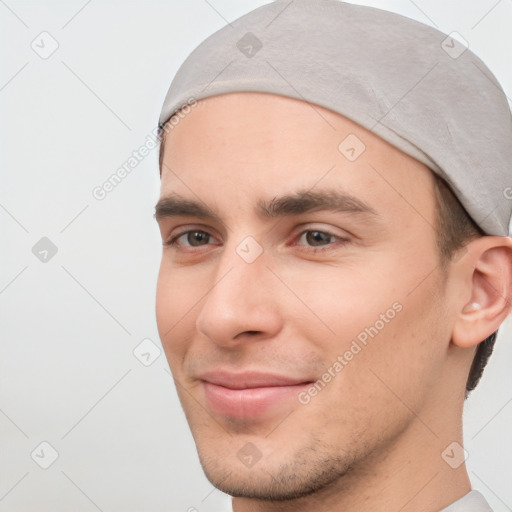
[[274, 479]]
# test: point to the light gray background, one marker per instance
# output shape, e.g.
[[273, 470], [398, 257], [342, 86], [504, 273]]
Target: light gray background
[[68, 375]]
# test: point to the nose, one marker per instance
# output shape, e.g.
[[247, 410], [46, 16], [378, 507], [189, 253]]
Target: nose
[[242, 302]]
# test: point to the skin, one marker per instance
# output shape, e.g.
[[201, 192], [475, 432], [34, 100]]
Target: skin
[[372, 438]]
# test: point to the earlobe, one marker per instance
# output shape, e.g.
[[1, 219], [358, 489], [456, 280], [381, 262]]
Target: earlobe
[[487, 266]]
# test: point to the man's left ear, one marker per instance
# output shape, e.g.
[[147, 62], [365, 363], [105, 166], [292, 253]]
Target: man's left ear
[[486, 271]]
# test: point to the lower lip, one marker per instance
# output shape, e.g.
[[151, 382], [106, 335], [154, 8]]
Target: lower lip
[[248, 403]]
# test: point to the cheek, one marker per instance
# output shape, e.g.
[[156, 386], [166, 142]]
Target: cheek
[[386, 316], [177, 294], [333, 304], [392, 356]]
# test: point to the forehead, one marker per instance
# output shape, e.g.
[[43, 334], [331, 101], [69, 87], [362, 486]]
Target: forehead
[[259, 145]]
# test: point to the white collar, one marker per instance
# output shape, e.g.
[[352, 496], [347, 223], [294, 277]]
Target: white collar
[[473, 501]]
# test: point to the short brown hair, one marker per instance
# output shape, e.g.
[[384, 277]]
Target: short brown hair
[[455, 228]]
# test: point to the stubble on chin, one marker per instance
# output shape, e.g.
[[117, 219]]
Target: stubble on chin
[[308, 471]]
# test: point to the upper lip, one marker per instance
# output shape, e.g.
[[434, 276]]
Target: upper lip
[[249, 379]]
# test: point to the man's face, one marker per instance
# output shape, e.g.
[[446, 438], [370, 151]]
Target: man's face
[[296, 336]]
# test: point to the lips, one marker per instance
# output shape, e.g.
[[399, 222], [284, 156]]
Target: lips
[[249, 395]]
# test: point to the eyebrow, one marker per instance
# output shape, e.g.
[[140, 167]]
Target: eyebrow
[[291, 204], [174, 205], [308, 201]]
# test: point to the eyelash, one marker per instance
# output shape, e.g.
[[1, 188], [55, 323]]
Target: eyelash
[[173, 242]]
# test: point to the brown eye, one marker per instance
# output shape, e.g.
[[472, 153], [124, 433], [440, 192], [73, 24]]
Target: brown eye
[[197, 238], [192, 238], [318, 238]]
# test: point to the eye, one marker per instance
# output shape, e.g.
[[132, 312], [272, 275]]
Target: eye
[[316, 238], [192, 238]]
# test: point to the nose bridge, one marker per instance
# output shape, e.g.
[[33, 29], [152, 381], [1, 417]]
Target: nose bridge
[[238, 300]]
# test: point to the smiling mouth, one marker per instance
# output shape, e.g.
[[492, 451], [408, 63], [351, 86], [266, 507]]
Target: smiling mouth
[[250, 394]]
